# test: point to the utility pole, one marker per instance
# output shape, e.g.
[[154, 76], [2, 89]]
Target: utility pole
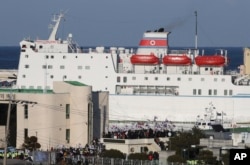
[[7, 133], [11, 100]]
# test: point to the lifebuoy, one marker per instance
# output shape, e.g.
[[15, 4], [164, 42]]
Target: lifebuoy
[[152, 42]]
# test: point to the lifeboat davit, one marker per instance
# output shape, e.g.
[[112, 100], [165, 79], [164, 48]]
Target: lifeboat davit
[[144, 59], [176, 60], [214, 60]]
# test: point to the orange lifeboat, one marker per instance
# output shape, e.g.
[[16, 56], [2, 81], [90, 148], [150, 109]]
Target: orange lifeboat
[[176, 60], [214, 60], [144, 59]]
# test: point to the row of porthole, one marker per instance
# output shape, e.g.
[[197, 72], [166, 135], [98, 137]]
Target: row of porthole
[[168, 79], [64, 57]]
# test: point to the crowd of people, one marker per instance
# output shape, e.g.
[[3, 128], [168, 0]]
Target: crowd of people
[[14, 155], [137, 130], [139, 134]]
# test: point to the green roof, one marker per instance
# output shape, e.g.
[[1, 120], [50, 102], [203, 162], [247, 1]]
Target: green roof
[[240, 129], [9, 90], [75, 83]]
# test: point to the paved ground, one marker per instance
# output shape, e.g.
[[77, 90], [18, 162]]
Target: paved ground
[[15, 162]]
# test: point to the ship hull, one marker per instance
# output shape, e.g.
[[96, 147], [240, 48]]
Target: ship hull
[[176, 109]]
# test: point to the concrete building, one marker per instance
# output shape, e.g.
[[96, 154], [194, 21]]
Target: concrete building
[[246, 58], [129, 146], [221, 142], [2, 136], [69, 115]]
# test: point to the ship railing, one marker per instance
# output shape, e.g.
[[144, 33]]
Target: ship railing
[[232, 72], [178, 52], [95, 50], [155, 90]]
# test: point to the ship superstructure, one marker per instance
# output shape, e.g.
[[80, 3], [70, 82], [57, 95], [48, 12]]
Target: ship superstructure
[[150, 81]]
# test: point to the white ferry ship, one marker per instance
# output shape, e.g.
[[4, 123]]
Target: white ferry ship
[[150, 81]]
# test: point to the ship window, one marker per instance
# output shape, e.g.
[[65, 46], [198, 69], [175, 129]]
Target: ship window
[[145, 78], [50, 66], [26, 56], [79, 67], [106, 76], [124, 79], [51, 57], [24, 75], [87, 67], [202, 79], [47, 56], [223, 80], [133, 78], [62, 67], [39, 87], [215, 92], [189, 79], [64, 77], [156, 78], [79, 77], [51, 76], [118, 79], [215, 79], [107, 57], [225, 92], [199, 91], [106, 66], [230, 92], [210, 92], [23, 87], [26, 66], [31, 87], [168, 78], [40, 47], [178, 79], [194, 91], [64, 57], [206, 69], [76, 57]]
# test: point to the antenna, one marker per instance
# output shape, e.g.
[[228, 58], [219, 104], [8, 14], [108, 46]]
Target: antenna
[[55, 26], [196, 36]]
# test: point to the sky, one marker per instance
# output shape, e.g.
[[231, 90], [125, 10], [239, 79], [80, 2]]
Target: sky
[[221, 23]]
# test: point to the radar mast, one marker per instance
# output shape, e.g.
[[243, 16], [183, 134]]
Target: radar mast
[[57, 20]]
